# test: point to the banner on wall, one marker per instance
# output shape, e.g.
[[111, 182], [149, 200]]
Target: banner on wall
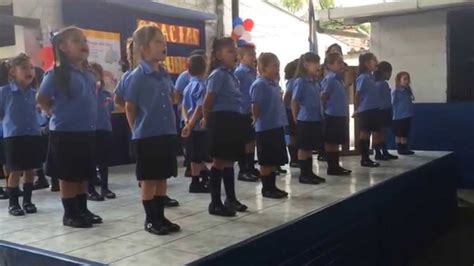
[[175, 34], [104, 49]]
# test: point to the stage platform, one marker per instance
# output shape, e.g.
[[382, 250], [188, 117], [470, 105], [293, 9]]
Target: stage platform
[[362, 218]]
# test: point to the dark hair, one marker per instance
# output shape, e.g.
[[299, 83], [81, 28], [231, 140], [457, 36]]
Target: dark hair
[[218, 45], [383, 68], [334, 45], [306, 58], [97, 68], [331, 58], [4, 75], [197, 65], [363, 60], [62, 66], [245, 48], [398, 78], [290, 69], [200, 52]]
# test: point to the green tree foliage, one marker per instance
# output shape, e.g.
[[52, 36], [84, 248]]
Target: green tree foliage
[[292, 5]]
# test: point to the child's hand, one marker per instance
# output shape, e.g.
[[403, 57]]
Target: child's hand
[[186, 131], [203, 123]]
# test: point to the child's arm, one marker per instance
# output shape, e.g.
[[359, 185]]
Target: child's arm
[[119, 100], [184, 114], [207, 106], [287, 98], [295, 109], [131, 113]]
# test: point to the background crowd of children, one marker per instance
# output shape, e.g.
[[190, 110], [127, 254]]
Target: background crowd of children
[[230, 104]]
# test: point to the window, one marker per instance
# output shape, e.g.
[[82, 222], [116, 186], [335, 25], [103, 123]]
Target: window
[[7, 32]]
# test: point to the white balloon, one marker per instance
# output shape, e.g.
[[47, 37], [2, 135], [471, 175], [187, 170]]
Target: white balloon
[[246, 36], [239, 30]]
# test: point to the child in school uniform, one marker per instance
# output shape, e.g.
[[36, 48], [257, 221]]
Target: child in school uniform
[[290, 70], [306, 109], [4, 77], [270, 119], [382, 75], [246, 74], [197, 139], [69, 94], [368, 108], [21, 133], [121, 90], [150, 114], [103, 134], [402, 100], [223, 117], [336, 109]]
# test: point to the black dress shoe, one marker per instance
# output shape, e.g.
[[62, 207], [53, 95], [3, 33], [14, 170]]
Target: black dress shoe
[[235, 205], [29, 207], [106, 193], [172, 227], [254, 172], [320, 179], [382, 157], [221, 210], [338, 171], [198, 188], [274, 194], [246, 177], [94, 196], [15, 210], [391, 156], [406, 152], [40, 184], [369, 163], [169, 202], [76, 222], [92, 218], [310, 180], [156, 228]]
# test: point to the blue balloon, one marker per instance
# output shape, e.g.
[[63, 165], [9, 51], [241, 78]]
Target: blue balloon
[[241, 42], [236, 21]]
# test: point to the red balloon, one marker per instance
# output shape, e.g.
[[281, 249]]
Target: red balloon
[[248, 24], [46, 55]]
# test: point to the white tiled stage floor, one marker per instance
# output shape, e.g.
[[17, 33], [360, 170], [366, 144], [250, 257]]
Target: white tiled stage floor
[[121, 240]]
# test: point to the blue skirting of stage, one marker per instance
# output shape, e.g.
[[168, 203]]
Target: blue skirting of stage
[[386, 224]]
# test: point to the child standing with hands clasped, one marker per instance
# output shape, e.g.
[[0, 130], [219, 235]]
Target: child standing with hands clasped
[[21, 133], [150, 114], [402, 100], [270, 119], [197, 143], [68, 92], [306, 109]]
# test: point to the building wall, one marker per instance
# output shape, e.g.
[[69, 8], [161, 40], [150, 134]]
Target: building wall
[[417, 44]]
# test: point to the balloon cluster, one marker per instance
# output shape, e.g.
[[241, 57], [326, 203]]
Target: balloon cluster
[[241, 30]]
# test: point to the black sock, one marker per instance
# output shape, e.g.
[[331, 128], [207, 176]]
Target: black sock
[[91, 188], [364, 149], [378, 149], [82, 203], [250, 158], [215, 182], [40, 174], [195, 180], [303, 167], [27, 192], [69, 205], [293, 153], [332, 159], [383, 146], [13, 193], [242, 164], [400, 147], [229, 183], [266, 182], [149, 206], [104, 176], [309, 165], [160, 207]]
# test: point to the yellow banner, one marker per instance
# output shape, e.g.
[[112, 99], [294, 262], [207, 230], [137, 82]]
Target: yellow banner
[[175, 33], [175, 64]]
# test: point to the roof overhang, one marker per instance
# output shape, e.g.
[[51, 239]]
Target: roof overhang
[[164, 10], [368, 13]]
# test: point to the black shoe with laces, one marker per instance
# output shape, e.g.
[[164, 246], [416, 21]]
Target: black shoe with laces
[[369, 163], [220, 210], [169, 202], [235, 205]]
